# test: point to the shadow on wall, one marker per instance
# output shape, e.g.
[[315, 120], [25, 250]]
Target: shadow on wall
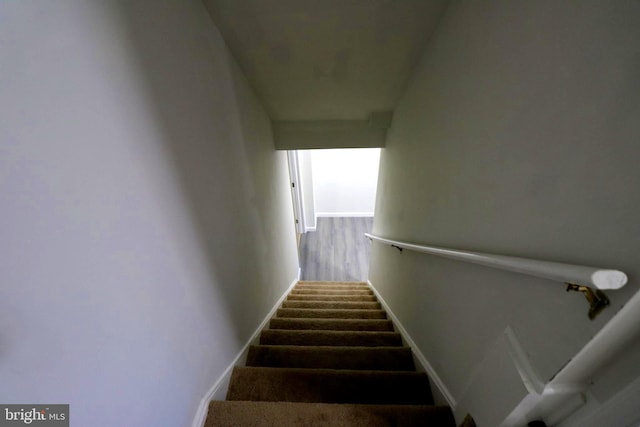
[[146, 225], [232, 182], [218, 140]]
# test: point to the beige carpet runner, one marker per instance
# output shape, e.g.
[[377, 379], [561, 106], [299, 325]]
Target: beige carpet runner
[[330, 357]]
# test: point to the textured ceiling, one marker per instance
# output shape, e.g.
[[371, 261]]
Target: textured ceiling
[[326, 59]]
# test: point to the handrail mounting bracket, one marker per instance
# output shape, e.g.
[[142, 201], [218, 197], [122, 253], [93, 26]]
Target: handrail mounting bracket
[[596, 298]]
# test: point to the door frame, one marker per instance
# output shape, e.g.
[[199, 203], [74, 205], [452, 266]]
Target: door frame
[[296, 191]]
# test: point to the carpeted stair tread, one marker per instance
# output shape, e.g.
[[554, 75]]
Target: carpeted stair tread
[[331, 292], [349, 305], [360, 298], [329, 386], [333, 287], [331, 313], [330, 357], [329, 283], [278, 414], [330, 338], [331, 324]]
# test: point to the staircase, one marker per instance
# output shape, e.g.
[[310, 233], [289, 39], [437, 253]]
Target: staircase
[[330, 357]]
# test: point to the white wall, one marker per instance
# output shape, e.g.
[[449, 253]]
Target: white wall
[[344, 181], [327, 134], [517, 135], [146, 218]]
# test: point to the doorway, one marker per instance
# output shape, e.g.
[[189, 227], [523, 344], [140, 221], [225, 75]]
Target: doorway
[[334, 206]]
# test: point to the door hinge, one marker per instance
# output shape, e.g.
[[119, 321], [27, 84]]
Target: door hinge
[[293, 184]]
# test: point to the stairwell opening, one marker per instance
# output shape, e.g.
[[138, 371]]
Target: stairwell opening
[[334, 196]]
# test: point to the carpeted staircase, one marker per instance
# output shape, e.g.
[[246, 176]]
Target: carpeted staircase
[[330, 357]]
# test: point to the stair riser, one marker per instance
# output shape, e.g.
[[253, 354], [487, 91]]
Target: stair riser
[[347, 305], [330, 292], [331, 314], [330, 338], [355, 298], [357, 358], [278, 414], [330, 357], [329, 386], [332, 288], [314, 283], [331, 324]]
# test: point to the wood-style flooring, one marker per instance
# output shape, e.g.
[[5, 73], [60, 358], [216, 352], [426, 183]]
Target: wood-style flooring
[[337, 250]]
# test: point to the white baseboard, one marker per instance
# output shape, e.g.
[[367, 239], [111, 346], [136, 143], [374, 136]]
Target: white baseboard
[[343, 214], [422, 360], [218, 390], [311, 228]]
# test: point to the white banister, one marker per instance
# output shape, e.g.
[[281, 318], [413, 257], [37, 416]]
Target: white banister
[[566, 273], [564, 393]]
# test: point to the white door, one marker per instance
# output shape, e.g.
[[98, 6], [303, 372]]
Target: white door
[[296, 191]]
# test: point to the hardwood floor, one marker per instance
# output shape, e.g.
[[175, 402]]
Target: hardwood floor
[[337, 250]]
